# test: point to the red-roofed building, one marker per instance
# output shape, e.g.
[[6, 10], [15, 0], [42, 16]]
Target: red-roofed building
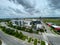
[[56, 27], [49, 24]]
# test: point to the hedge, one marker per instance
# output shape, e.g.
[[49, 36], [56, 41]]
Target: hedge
[[35, 42], [0, 42], [42, 43]]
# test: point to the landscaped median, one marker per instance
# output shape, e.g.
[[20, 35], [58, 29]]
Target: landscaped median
[[0, 42], [35, 42], [14, 33], [21, 36]]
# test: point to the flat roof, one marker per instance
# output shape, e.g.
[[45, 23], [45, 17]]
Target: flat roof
[[56, 26]]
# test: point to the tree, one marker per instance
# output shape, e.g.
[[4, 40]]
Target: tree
[[16, 34], [30, 30], [35, 42], [20, 35]]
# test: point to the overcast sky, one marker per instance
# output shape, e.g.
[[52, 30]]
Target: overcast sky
[[29, 8]]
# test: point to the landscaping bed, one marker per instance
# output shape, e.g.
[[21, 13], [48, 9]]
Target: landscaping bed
[[42, 43], [20, 35]]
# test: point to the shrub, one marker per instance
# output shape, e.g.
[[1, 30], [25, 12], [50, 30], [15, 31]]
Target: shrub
[[24, 37], [14, 33], [37, 32], [29, 40], [38, 41], [30, 31], [20, 35], [32, 39], [42, 43], [35, 42], [41, 30], [0, 42]]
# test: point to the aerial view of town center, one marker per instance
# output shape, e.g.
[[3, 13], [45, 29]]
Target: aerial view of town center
[[29, 22]]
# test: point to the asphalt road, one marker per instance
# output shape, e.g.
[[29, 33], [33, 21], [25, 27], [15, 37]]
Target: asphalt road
[[54, 40], [9, 40], [50, 37], [46, 27]]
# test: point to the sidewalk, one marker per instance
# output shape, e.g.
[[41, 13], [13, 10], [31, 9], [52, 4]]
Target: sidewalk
[[45, 39]]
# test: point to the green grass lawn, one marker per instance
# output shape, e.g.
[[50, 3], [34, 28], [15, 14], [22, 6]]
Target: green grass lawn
[[54, 21]]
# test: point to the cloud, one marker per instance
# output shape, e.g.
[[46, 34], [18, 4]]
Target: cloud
[[55, 4], [29, 8]]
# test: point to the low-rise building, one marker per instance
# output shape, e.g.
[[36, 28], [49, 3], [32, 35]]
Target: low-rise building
[[37, 25], [57, 28]]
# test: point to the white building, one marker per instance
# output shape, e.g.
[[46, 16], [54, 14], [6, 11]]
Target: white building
[[18, 22], [28, 23]]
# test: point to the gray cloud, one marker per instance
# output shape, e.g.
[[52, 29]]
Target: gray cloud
[[15, 10], [25, 3], [55, 4], [29, 8]]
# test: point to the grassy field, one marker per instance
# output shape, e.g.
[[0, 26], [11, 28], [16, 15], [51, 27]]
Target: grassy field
[[54, 21]]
